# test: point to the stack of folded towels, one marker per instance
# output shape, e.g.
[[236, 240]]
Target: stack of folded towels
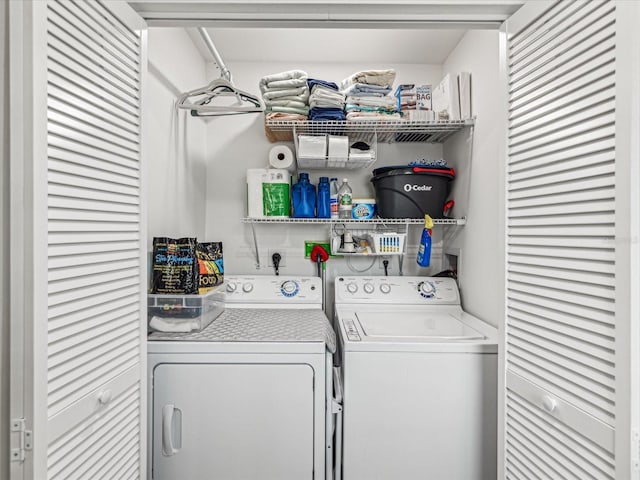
[[367, 95], [407, 100], [326, 102], [286, 95]]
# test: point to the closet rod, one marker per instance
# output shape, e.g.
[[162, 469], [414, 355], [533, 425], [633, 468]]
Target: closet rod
[[224, 71]]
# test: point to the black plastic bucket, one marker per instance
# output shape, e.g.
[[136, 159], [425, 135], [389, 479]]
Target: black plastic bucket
[[411, 191]]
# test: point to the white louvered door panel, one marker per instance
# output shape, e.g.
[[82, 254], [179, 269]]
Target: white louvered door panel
[[561, 253], [92, 320]]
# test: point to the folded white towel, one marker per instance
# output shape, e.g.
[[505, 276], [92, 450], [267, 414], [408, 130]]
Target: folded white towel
[[301, 94], [166, 324], [286, 102], [357, 115], [386, 101], [284, 84], [277, 77], [371, 77], [326, 94]]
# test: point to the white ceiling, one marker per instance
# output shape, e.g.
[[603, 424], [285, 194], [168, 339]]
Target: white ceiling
[[332, 45]]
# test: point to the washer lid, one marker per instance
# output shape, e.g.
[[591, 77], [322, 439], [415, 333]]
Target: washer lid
[[415, 326]]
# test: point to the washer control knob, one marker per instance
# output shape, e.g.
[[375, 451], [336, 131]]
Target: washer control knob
[[289, 288], [247, 287], [427, 289], [385, 288], [368, 288], [231, 287], [352, 287]]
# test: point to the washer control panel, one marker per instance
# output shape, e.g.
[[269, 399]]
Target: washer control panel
[[398, 290], [268, 289]]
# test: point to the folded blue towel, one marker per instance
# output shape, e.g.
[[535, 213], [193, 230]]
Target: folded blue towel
[[312, 82], [326, 114]]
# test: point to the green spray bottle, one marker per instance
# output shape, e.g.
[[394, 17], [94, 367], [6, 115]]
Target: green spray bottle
[[424, 250]]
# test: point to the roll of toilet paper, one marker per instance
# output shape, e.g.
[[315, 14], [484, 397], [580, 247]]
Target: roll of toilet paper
[[281, 157]]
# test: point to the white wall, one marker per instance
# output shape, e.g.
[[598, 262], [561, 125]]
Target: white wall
[[236, 143], [4, 258], [175, 145], [477, 186]]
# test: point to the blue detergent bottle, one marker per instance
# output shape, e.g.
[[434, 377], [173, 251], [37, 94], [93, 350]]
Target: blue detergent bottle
[[303, 196], [323, 209], [424, 250]]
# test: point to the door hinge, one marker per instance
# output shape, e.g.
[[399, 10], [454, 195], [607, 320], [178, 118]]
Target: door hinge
[[635, 451], [25, 439]]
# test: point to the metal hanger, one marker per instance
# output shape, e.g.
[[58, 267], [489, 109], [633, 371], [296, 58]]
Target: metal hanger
[[212, 100]]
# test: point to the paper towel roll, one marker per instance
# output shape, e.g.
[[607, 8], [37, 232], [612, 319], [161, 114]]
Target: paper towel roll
[[281, 156]]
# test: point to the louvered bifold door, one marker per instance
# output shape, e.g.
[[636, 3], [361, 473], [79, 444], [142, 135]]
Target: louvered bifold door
[[93, 310], [560, 328]]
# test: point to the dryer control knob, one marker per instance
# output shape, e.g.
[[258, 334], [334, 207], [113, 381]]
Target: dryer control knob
[[427, 289], [368, 288], [231, 287], [289, 288], [385, 288], [352, 288], [247, 287]]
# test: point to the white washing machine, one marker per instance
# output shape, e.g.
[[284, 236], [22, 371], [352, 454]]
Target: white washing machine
[[246, 398], [420, 381]]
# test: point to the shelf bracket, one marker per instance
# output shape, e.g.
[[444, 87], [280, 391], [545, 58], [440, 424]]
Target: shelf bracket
[[255, 245]]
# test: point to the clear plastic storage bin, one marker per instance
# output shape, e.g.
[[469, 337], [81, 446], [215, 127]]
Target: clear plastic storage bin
[[184, 313]]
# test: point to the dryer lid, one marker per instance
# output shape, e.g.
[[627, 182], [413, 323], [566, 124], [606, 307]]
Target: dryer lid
[[426, 326]]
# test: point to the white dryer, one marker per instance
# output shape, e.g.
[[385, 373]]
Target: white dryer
[[246, 398], [420, 381]]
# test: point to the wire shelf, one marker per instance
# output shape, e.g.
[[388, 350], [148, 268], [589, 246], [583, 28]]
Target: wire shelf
[[372, 221], [388, 131]]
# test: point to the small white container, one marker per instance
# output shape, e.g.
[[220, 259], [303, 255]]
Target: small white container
[[311, 146], [363, 208]]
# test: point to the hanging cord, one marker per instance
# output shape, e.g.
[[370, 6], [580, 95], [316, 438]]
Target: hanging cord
[[385, 264], [353, 269]]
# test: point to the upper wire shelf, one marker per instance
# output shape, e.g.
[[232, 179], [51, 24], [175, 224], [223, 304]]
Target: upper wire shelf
[[372, 221], [388, 131]]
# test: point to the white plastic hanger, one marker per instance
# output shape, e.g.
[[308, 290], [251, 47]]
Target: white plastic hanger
[[212, 100]]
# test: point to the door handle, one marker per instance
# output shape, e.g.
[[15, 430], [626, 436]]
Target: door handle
[[168, 448]]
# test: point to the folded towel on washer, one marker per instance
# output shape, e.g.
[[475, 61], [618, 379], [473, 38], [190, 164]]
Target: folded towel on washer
[[166, 324]]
